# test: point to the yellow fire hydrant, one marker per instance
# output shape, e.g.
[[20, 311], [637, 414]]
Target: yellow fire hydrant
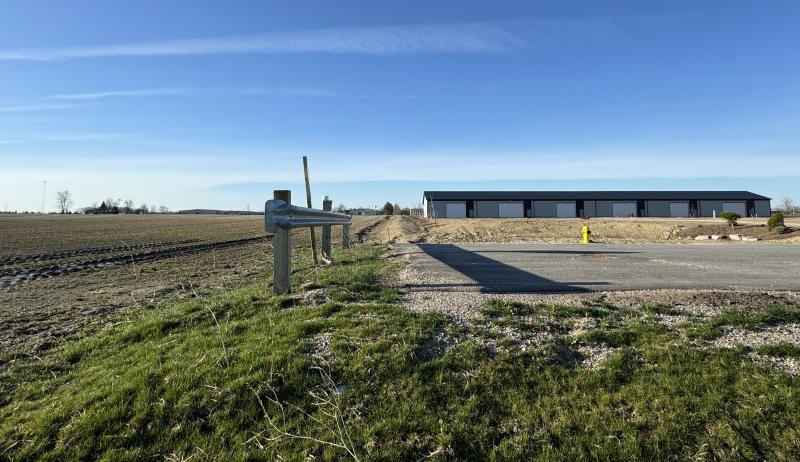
[[586, 232]]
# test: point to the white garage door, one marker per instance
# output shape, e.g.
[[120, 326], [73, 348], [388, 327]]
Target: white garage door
[[738, 207], [679, 209], [624, 209], [511, 210], [456, 210], [565, 209]]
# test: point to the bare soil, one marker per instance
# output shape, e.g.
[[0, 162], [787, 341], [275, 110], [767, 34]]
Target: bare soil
[[29, 234], [82, 272]]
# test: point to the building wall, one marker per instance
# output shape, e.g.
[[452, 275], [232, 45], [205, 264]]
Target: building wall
[[762, 208], [487, 209], [658, 208], [547, 209], [491, 209], [604, 209], [707, 208], [440, 207], [544, 209], [589, 208]]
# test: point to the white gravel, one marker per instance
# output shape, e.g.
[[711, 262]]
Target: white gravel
[[594, 355], [756, 338]]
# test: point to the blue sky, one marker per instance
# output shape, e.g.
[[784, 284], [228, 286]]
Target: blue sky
[[212, 104]]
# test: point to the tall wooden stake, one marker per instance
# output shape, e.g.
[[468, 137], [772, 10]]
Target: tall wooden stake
[[308, 200]]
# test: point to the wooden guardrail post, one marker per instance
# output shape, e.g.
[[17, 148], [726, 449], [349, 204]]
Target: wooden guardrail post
[[327, 205], [346, 236], [282, 252]]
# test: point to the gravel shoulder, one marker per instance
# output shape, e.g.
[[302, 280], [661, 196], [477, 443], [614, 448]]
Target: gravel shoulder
[[674, 309]]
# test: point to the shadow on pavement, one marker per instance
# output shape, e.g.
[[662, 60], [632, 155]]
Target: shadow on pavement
[[493, 276], [561, 252]]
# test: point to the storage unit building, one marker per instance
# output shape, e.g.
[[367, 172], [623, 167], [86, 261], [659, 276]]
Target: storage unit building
[[570, 204]]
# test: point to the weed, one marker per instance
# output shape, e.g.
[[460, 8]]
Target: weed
[[496, 308]]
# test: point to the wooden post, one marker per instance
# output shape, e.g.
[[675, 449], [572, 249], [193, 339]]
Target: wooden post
[[308, 201], [282, 252], [346, 236], [327, 205]]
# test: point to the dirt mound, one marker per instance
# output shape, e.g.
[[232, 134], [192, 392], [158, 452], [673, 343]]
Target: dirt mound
[[397, 229], [759, 231], [548, 230], [405, 229]]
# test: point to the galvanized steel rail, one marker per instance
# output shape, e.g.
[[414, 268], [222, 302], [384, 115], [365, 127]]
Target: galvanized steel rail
[[280, 217]]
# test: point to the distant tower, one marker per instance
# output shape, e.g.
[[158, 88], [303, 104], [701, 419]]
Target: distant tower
[[44, 193]]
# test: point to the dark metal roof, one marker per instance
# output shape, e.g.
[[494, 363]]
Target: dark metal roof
[[591, 195]]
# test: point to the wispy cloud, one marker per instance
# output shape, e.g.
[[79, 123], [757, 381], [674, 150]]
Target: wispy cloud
[[124, 93], [35, 107], [381, 40], [186, 91], [68, 137]]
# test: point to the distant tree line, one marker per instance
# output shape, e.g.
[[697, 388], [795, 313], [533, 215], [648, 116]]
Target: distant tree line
[[109, 206], [116, 206], [395, 209]]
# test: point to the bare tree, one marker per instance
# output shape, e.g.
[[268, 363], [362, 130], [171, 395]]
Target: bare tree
[[129, 206], [163, 209], [63, 201], [396, 209], [787, 205]]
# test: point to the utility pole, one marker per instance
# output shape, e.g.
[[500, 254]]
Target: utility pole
[[44, 193]]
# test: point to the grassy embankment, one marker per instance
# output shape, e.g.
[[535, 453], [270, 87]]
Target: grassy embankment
[[246, 375]]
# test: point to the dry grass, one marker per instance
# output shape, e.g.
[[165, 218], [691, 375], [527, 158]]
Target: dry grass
[[404, 229]]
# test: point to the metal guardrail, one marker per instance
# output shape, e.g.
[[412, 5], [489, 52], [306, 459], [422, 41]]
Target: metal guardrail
[[280, 214], [280, 217]]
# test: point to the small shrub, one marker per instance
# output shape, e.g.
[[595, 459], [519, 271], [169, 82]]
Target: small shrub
[[730, 217], [780, 229], [775, 221]]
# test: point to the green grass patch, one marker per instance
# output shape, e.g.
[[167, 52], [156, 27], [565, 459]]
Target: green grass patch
[[745, 319], [249, 376], [496, 307], [780, 350], [627, 335]]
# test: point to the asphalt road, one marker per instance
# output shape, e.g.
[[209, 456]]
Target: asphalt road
[[580, 268]]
